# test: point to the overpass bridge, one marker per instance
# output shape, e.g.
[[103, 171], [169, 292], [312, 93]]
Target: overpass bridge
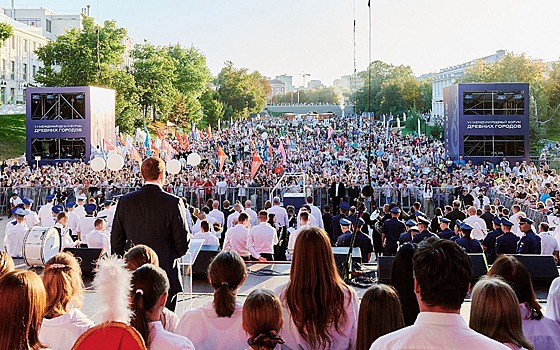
[[305, 108]]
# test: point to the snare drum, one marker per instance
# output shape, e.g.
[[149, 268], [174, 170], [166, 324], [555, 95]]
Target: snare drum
[[40, 244]]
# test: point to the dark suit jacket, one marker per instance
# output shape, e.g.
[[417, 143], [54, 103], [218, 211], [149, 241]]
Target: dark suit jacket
[[341, 191], [155, 218]]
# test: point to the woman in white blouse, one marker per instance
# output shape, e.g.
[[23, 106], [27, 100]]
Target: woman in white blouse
[[218, 324]]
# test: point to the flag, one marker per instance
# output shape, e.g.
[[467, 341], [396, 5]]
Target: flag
[[134, 155], [221, 158], [255, 164], [329, 132], [282, 151], [160, 133], [108, 146], [307, 128], [154, 148], [269, 148], [146, 139], [209, 131]]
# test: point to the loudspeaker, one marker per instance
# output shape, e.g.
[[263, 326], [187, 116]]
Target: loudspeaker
[[479, 266], [384, 268], [88, 258], [542, 268], [341, 253], [203, 260]]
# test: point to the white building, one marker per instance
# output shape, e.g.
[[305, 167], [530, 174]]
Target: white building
[[314, 84], [449, 76], [277, 87], [288, 80], [350, 83]]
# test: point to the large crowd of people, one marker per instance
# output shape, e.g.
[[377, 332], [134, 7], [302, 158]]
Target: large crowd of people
[[426, 210]]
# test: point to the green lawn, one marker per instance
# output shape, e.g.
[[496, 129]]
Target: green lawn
[[12, 136]]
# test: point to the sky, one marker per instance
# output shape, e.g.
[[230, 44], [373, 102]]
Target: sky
[[315, 37]]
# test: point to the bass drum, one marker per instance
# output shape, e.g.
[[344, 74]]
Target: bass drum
[[40, 244]]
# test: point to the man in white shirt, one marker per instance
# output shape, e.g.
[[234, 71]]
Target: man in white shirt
[[237, 237], [204, 233], [313, 221], [15, 234], [108, 213], [98, 237], [45, 213], [62, 227], [15, 201], [80, 209], [32, 219], [87, 223], [73, 219], [202, 216], [280, 212], [216, 213], [233, 216], [442, 275], [262, 239], [478, 224], [304, 223], [252, 214], [549, 244], [514, 217], [315, 211]]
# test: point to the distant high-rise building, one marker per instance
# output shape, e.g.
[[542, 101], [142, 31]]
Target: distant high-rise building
[[288, 80], [313, 84], [350, 83]]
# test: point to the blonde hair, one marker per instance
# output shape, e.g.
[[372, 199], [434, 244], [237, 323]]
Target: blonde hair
[[495, 312], [140, 255], [6, 263], [63, 282]]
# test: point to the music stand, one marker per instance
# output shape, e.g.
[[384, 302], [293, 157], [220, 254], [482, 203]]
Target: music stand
[[195, 245]]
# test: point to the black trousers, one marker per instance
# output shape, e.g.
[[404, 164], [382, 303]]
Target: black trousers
[[268, 256]]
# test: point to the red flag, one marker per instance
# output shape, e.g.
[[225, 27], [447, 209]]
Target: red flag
[[108, 146], [155, 149], [160, 134], [221, 157], [255, 164], [282, 151], [209, 131], [269, 148]]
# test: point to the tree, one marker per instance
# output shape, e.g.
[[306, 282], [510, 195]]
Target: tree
[[154, 73], [6, 31], [213, 108], [241, 92]]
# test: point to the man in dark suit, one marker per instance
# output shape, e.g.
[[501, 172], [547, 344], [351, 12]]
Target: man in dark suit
[[337, 193], [487, 216], [455, 214], [155, 218]]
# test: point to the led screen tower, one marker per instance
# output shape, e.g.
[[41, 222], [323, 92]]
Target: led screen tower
[[64, 122], [487, 121]]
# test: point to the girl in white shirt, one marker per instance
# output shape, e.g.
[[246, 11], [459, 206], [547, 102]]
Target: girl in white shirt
[[148, 297], [262, 320], [217, 324], [63, 324]]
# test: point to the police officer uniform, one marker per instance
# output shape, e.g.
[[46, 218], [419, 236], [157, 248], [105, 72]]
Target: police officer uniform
[[530, 243], [32, 219], [446, 233], [467, 242], [506, 243], [361, 241], [16, 233], [45, 213], [407, 235], [392, 229], [424, 234], [490, 240], [335, 223]]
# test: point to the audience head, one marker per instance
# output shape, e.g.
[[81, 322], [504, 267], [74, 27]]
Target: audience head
[[380, 314], [495, 312], [304, 217], [263, 216], [6, 263], [226, 274], [63, 282], [204, 226], [243, 218], [22, 308], [148, 297], [315, 294], [442, 272], [140, 255], [402, 279], [262, 319], [215, 204]]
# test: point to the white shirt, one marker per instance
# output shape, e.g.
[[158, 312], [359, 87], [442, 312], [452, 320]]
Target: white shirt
[[162, 339], [253, 217], [236, 239], [208, 331], [553, 301], [262, 239], [80, 211], [312, 220], [15, 201], [98, 239], [292, 239], [109, 215], [515, 228], [66, 240], [86, 225], [281, 215], [316, 212], [548, 243], [45, 214], [209, 239], [478, 225], [73, 219], [231, 217], [218, 215], [32, 219], [14, 239], [543, 333], [60, 333], [435, 330], [343, 340]]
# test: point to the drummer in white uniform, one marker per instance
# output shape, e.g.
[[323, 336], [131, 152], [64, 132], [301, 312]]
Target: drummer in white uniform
[[108, 213], [87, 223], [80, 209], [9, 225], [32, 219], [62, 227], [57, 209], [98, 238], [73, 219], [16, 234], [45, 213]]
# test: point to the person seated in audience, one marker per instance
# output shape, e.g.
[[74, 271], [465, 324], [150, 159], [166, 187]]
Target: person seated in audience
[[218, 324], [6, 263], [553, 301], [204, 233], [442, 275], [402, 279], [22, 308], [495, 313], [543, 332], [320, 310], [147, 299], [63, 322], [138, 256], [380, 313], [98, 238], [262, 320]]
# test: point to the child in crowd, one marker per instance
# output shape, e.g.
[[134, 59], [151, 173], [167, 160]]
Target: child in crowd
[[148, 297], [262, 320], [63, 324]]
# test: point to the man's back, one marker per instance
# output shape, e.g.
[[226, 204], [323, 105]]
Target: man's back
[[434, 330]]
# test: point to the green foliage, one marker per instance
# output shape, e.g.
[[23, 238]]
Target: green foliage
[[6, 31], [213, 108], [241, 92], [12, 136]]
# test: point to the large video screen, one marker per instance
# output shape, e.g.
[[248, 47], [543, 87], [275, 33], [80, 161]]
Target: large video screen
[[59, 148]]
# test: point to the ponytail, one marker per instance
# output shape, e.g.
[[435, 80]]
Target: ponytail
[[226, 273], [139, 319], [224, 300]]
